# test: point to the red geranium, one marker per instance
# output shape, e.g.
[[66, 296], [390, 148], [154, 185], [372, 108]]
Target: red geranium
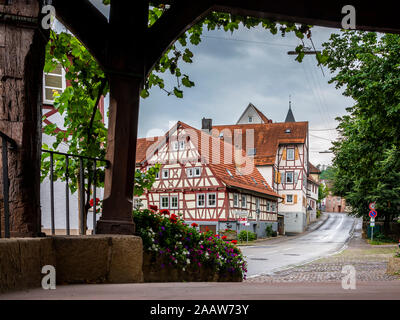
[[194, 225], [154, 208], [173, 218], [91, 202], [164, 211], [223, 237], [234, 241]]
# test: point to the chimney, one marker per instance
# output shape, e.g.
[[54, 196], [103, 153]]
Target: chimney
[[206, 125]]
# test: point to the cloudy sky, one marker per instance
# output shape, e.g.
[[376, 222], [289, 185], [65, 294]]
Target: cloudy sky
[[231, 70]]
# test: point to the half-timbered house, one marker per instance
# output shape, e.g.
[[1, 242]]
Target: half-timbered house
[[207, 180], [280, 152]]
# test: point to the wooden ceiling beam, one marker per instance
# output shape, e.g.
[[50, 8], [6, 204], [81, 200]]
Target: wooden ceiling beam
[[171, 25], [87, 23]]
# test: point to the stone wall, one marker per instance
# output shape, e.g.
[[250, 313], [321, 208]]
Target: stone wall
[[154, 272], [77, 259]]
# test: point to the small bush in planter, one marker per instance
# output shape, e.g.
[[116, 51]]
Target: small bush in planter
[[269, 230], [245, 235]]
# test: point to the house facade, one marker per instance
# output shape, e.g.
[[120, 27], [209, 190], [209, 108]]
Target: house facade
[[208, 181], [55, 82], [280, 152]]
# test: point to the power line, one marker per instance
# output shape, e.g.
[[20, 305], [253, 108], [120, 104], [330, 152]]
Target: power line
[[251, 41]]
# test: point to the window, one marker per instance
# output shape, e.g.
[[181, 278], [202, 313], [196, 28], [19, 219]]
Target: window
[[174, 202], [244, 204], [268, 206], [181, 145], [211, 200], [164, 202], [290, 154], [230, 173], [137, 203], [197, 172], [289, 198], [273, 207], [157, 175], [201, 200], [250, 119], [251, 151], [189, 172], [53, 81], [289, 177], [165, 173], [235, 200], [176, 145], [257, 204]]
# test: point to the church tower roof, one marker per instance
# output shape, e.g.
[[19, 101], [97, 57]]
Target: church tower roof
[[290, 116]]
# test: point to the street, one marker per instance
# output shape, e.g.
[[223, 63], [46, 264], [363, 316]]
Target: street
[[271, 256]]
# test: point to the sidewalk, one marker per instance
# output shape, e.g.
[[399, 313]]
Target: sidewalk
[[376, 290]]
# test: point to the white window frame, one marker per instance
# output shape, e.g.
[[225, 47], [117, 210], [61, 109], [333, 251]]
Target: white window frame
[[243, 203], [287, 198], [257, 203], [292, 154], [273, 207], [171, 202], [235, 200], [158, 175], [163, 171], [250, 119], [268, 206], [189, 172], [286, 177], [175, 145], [181, 145], [208, 200], [161, 202], [197, 200], [194, 171], [63, 85]]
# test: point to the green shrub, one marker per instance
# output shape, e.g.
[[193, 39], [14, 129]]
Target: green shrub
[[269, 230], [274, 233], [244, 234], [318, 213]]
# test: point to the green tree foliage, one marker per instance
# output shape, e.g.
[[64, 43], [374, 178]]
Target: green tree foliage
[[366, 157], [327, 174], [323, 192]]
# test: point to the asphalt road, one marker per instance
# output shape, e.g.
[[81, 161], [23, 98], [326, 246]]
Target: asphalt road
[[268, 257]]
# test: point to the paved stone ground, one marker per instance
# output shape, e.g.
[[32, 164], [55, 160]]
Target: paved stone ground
[[369, 261]]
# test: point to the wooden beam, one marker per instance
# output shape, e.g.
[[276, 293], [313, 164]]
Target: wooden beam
[[87, 23], [171, 25]]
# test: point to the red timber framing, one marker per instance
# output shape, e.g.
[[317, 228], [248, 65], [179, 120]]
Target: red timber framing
[[188, 184], [127, 49]]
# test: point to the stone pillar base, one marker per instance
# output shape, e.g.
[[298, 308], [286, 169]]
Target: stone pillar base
[[115, 227]]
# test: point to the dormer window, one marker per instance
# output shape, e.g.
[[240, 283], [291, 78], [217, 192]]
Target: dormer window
[[250, 119], [251, 151], [290, 153]]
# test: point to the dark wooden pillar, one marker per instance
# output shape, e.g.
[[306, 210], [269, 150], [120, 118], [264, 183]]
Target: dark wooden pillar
[[125, 68], [22, 52]]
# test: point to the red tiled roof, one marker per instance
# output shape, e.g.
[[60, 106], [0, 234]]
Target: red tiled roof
[[142, 147], [262, 116], [220, 156], [313, 169], [267, 137]]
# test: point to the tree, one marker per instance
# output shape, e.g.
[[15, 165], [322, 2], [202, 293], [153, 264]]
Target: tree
[[366, 155], [323, 191], [86, 134]]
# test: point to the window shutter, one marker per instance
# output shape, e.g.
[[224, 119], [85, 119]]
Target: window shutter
[[296, 156], [283, 200], [295, 198], [279, 177], [284, 154], [296, 177]]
